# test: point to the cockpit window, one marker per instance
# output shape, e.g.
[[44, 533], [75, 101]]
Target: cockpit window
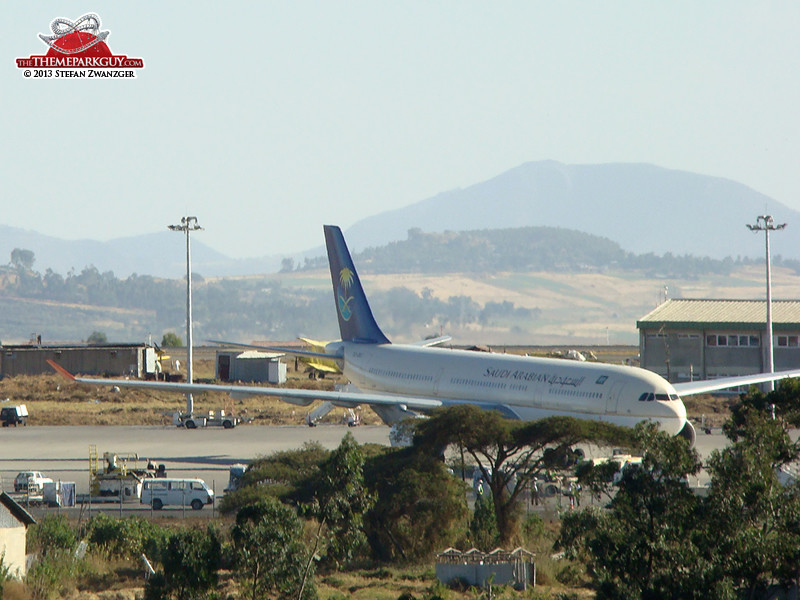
[[650, 397]]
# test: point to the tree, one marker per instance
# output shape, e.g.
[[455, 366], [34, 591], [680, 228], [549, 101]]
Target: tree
[[287, 265], [483, 526], [268, 553], [340, 501], [755, 538], [644, 545], [509, 453], [190, 563], [171, 340], [289, 475], [97, 338], [420, 507], [22, 259]]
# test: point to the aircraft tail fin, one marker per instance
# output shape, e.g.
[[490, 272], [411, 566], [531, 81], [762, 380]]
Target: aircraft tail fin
[[356, 322]]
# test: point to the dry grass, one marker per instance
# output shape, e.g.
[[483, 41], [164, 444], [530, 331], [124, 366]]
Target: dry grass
[[52, 400]]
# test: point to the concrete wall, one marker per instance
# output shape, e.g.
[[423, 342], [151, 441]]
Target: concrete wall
[[12, 542], [517, 574]]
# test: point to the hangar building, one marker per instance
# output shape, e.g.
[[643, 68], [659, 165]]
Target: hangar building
[[137, 360], [685, 340]]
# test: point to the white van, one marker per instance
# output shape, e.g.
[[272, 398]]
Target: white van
[[159, 493]]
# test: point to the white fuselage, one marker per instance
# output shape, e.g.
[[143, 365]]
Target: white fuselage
[[525, 387]]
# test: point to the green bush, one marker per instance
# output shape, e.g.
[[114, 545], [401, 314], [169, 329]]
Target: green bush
[[128, 537], [571, 574], [533, 528], [190, 564], [250, 494], [52, 534]]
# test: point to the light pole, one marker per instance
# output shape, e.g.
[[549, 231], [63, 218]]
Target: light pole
[[188, 224], [766, 224]]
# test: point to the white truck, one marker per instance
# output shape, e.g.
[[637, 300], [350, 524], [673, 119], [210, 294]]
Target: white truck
[[31, 483]]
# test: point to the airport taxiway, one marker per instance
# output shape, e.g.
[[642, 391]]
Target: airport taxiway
[[63, 452]]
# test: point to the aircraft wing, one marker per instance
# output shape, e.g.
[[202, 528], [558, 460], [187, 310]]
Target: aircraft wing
[[292, 351], [348, 399], [690, 388], [433, 341]]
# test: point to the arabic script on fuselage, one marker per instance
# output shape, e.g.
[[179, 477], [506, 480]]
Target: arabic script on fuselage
[[519, 375]]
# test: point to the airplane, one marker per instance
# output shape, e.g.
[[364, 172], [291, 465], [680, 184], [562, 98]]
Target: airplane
[[319, 366], [401, 381]]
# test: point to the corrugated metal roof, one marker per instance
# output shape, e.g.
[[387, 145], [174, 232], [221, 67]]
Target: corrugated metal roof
[[250, 354], [744, 312]]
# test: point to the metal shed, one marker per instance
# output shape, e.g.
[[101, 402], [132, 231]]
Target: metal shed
[[252, 366]]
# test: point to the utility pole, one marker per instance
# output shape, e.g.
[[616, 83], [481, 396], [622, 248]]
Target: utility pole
[[188, 224], [766, 224]]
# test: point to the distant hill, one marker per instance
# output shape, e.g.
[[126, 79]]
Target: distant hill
[[644, 208], [160, 254]]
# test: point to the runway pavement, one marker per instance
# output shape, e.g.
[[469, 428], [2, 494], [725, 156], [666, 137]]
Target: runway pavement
[[63, 452]]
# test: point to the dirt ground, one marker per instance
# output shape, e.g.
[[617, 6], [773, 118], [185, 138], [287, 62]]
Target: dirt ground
[[52, 400]]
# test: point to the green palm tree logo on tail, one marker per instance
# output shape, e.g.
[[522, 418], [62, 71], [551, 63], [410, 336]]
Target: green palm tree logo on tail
[[346, 278]]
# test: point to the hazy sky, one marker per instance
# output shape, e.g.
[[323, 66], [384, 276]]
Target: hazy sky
[[268, 119]]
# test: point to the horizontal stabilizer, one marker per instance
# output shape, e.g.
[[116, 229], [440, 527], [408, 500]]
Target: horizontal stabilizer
[[433, 341]]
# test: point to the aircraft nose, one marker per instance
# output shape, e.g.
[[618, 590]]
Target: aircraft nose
[[672, 415]]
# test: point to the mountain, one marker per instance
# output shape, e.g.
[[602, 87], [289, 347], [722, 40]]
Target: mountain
[[161, 254], [642, 207]]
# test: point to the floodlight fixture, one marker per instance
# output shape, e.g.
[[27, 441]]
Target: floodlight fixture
[[766, 224], [188, 225]]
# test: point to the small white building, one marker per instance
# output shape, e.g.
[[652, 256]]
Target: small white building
[[14, 521], [250, 366]]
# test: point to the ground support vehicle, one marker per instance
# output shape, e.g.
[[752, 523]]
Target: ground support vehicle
[[121, 479], [14, 415], [215, 418]]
